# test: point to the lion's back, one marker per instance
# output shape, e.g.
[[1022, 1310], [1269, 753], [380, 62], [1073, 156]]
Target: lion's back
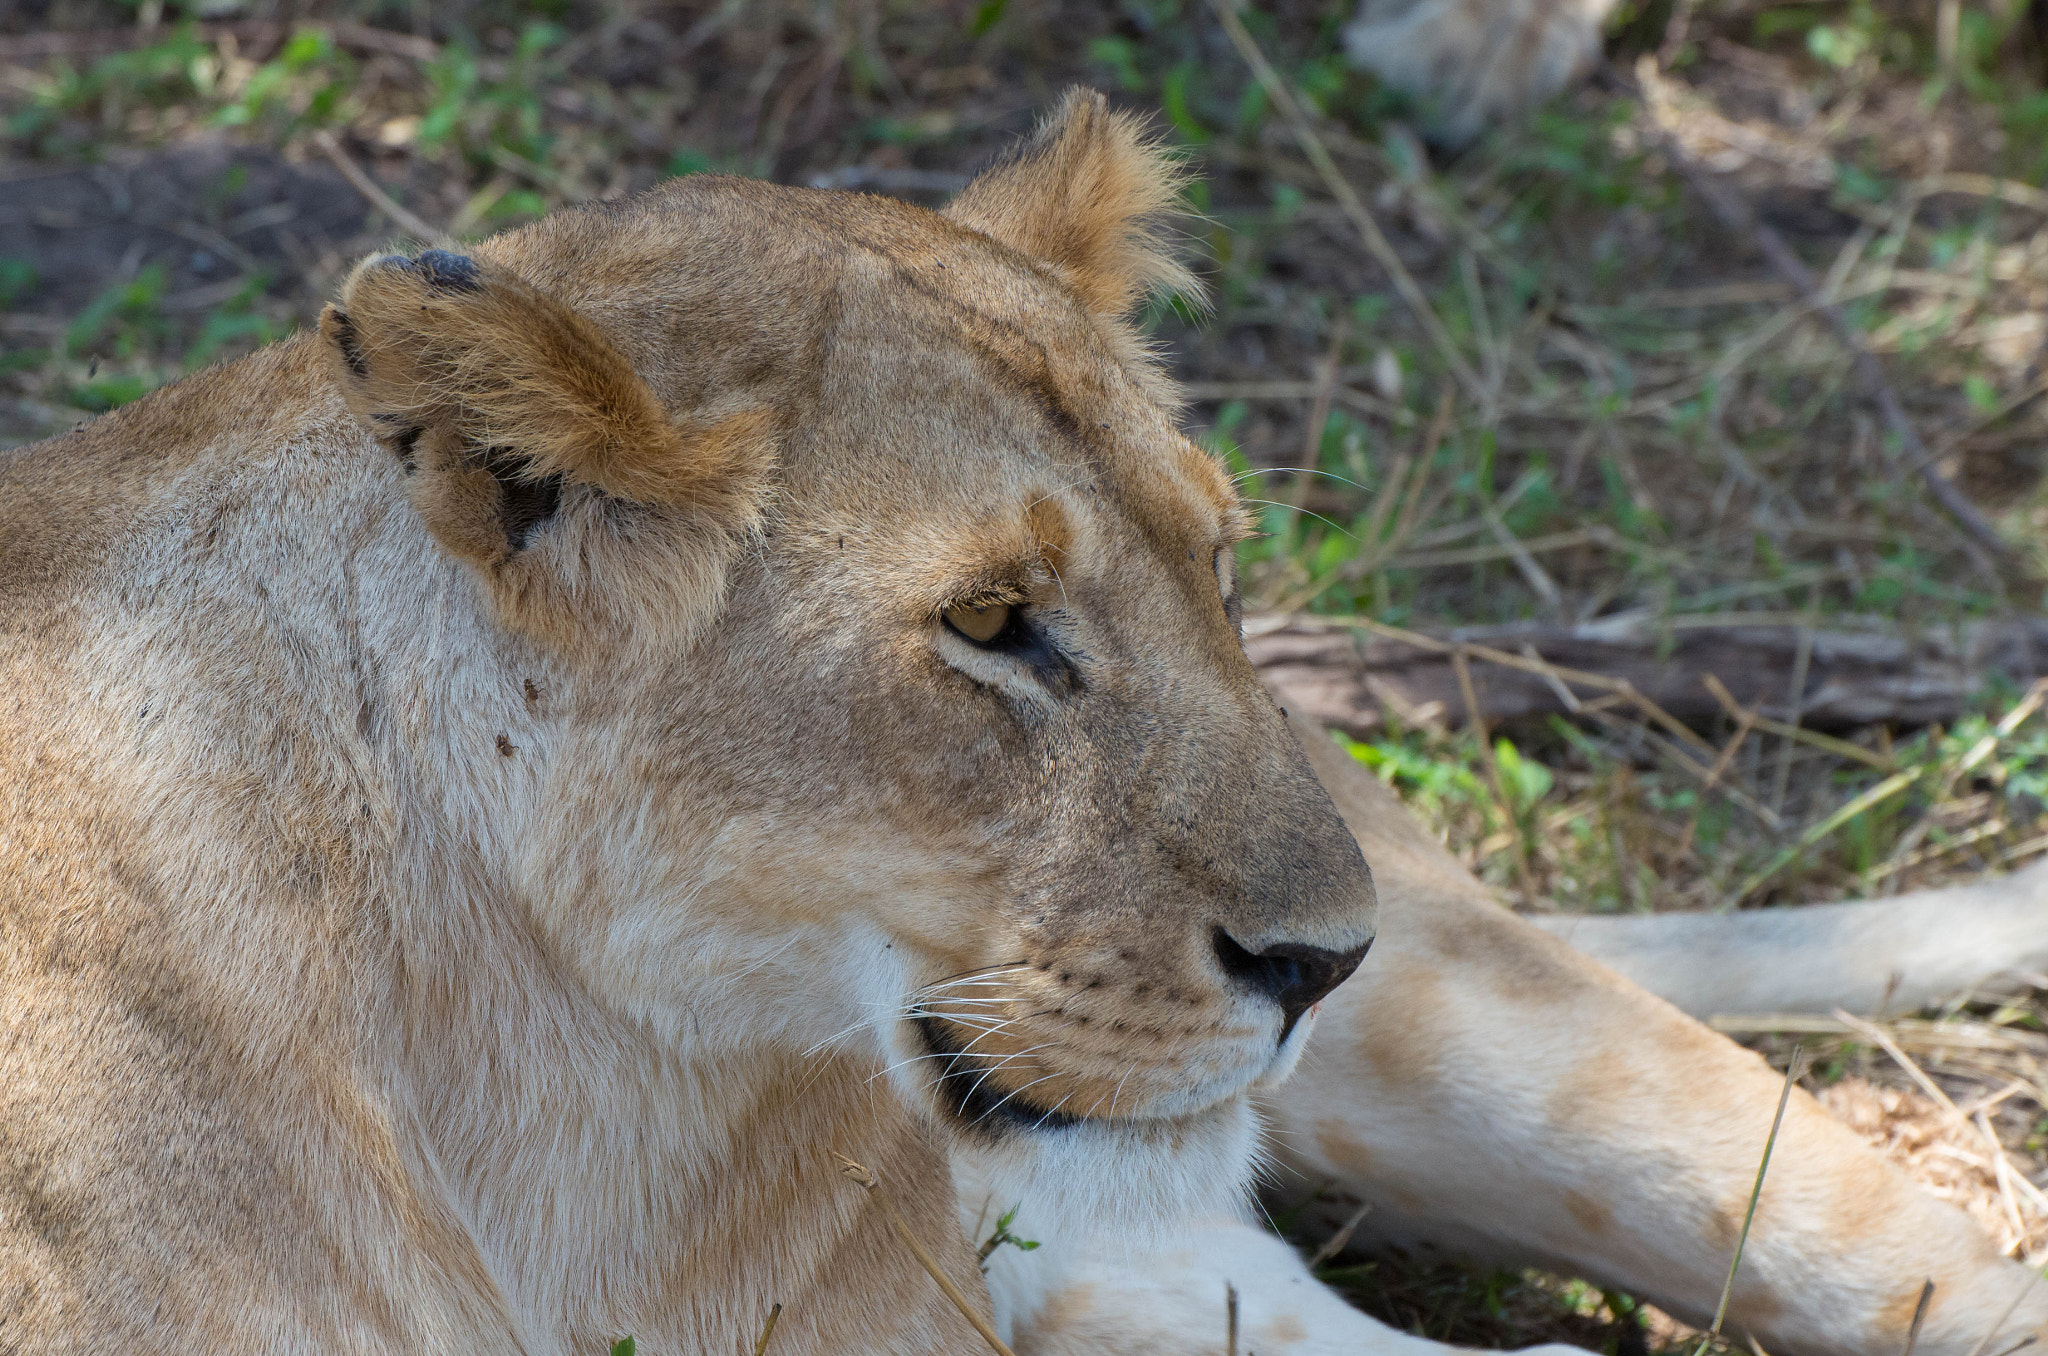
[[128, 1187]]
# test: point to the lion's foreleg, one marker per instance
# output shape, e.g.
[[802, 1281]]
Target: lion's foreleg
[[1491, 1091], [1178, 1297]]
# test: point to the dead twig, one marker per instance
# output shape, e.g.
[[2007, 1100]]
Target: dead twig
[[1336, 1242], [1745, 721], [854, 1172], [1840, 747], [767, 1329], [373, 192], [1620, 687]]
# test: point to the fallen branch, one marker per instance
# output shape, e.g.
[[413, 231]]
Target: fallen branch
[[1349, 672]]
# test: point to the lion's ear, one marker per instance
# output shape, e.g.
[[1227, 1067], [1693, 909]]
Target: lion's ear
[[528, 438], [1087, 196]]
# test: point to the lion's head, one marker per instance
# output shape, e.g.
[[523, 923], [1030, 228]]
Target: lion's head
[[870, 638]]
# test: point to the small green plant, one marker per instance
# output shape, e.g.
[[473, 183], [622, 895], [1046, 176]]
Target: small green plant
[[1003, 1235]]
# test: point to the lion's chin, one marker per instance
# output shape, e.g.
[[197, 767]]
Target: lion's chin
[[1135, 1180]]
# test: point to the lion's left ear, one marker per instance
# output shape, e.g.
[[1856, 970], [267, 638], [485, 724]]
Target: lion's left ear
[[1087, 196], [535, 453]]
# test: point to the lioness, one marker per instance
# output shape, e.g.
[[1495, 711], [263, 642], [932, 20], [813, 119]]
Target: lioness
[[496, 793]]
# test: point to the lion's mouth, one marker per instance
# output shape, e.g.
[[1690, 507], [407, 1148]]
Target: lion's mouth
[[966, 1091]]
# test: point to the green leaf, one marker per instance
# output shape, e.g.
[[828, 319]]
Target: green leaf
[[987, 15], [623, 1347]]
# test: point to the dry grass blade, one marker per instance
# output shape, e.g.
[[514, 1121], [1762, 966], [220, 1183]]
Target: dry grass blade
[[1475, 716], [1883, 791], [1230, 1317], [1376, 242], [859, 1175], [2003, 1319], [1336, 1242], [767, 1329], [1756, 1192], [2002, 1171]]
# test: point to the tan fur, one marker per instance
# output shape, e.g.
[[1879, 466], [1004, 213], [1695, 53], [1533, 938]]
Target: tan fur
[[1082, 199], [488, 802]]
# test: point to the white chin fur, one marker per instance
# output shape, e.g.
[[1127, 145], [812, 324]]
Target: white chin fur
[[1100, 1187]]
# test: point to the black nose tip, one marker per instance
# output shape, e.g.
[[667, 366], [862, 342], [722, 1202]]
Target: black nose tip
[[1294, 976]]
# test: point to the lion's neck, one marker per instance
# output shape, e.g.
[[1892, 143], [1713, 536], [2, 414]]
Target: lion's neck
[[614, 1181]]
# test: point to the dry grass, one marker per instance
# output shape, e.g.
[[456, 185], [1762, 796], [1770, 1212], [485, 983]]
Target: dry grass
[[1534, 380]]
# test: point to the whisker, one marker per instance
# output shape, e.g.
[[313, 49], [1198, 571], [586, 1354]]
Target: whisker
[[1120, 1088], [1052, 1111], [1294, 508], [1013, 1092], [1297, 471]]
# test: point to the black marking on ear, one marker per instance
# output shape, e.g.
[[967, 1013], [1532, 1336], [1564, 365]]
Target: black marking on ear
[[447, 272], [523, 504], [351, 346], [402, 438]]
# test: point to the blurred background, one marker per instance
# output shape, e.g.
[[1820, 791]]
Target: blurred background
[[1652, 474]]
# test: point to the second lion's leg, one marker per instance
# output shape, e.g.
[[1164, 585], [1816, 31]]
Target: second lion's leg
[[1493, 1093], [1894, 955]]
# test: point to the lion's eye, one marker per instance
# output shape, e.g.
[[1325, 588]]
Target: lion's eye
[[979, 624]]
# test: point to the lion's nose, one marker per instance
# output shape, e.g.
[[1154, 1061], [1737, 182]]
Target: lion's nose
[[1292, 975]]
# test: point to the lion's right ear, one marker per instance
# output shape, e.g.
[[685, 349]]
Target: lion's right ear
[[529, 440], [1086, 196]]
